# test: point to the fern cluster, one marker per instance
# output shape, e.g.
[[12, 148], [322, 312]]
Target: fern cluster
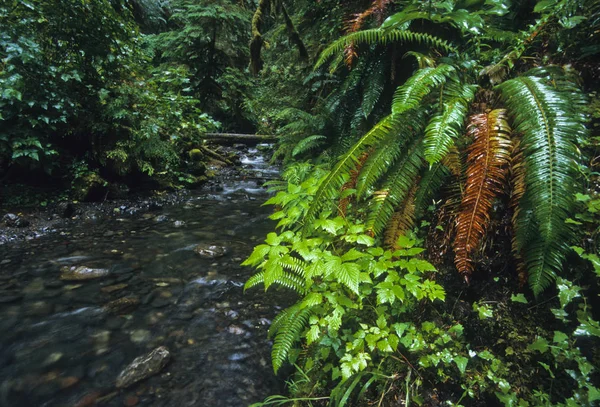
[[410, 153]]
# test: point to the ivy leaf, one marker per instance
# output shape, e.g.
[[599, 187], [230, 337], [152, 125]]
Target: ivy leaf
[[540, 344], [461, 363], [519, 298]]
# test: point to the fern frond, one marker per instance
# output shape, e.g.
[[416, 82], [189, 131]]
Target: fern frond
[[446, 127], [410, 94], [374, 89], [488, 159], [308, 143], [356, 23], [376, 36], [331, 185], [429, 184], [351, 184], [387, 151], [397, 185], [517, 172], [402, 220], [287, 332], [550, 127], [255, 280]]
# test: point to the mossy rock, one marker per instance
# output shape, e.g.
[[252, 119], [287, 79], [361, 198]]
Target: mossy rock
[[196, 155], [198, 181], [197, 168], [90, 188]]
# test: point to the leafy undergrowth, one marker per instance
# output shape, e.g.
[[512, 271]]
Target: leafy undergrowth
[[381, 326]]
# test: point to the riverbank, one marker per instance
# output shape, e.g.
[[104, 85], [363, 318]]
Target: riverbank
[[142, 305]]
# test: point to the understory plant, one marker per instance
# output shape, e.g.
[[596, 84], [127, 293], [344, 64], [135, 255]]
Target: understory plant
[[372, 325], [470, 119]]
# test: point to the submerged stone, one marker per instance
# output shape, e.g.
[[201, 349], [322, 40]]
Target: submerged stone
[[210, 251], [81, 273], [143, 367]]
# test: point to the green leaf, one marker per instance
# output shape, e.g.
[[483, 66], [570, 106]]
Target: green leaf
[[519, 298], [461, 363], [540, 345]]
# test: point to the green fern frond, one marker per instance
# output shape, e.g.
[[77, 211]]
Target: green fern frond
[[308, 143], [374, 89], [255, 280], [446, 127], [377, 36], [418, 86], [389, 149], [430, 183], [331, 185], [287, 329], [396, 187], [550, 129]]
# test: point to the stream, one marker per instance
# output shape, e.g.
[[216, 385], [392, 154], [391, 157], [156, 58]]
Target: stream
[[79, 304]]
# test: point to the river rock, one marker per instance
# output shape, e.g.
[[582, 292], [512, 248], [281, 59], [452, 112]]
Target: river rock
[[7, 297], [210, 251], [112, 288], [15, 221], [143, 367], [122, 305], [81, 273]]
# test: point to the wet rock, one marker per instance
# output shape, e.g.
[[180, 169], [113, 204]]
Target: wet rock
[[5, 262], [52, 359], [81, 273], [35, 287], [161, 218], [39, 309], [140, 336], [115, 323], [89, 399], [7, 297], [53, 284], [15, 221], [101, 342], [65, 209], [184, 316], [210, 251], [131, 400], [178, 223], [66, 382], [108, 233], [143, 367], [160, 302], [112, 288], [122, 305]]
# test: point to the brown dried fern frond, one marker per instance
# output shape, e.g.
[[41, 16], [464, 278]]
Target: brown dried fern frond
[[357, 21], [487, 168]]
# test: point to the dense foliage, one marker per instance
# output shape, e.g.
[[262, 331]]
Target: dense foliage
[[480, 151], [438, 212]]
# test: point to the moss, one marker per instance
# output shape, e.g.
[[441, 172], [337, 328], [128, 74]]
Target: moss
[[196, 155], [90, 187]]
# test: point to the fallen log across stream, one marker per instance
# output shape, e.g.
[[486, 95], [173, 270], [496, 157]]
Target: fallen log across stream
[[240, 138]]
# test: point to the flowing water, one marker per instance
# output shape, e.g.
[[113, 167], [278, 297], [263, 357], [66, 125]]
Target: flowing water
[[64, 342]]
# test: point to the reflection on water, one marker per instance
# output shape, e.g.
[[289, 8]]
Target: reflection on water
[[65, 341]]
